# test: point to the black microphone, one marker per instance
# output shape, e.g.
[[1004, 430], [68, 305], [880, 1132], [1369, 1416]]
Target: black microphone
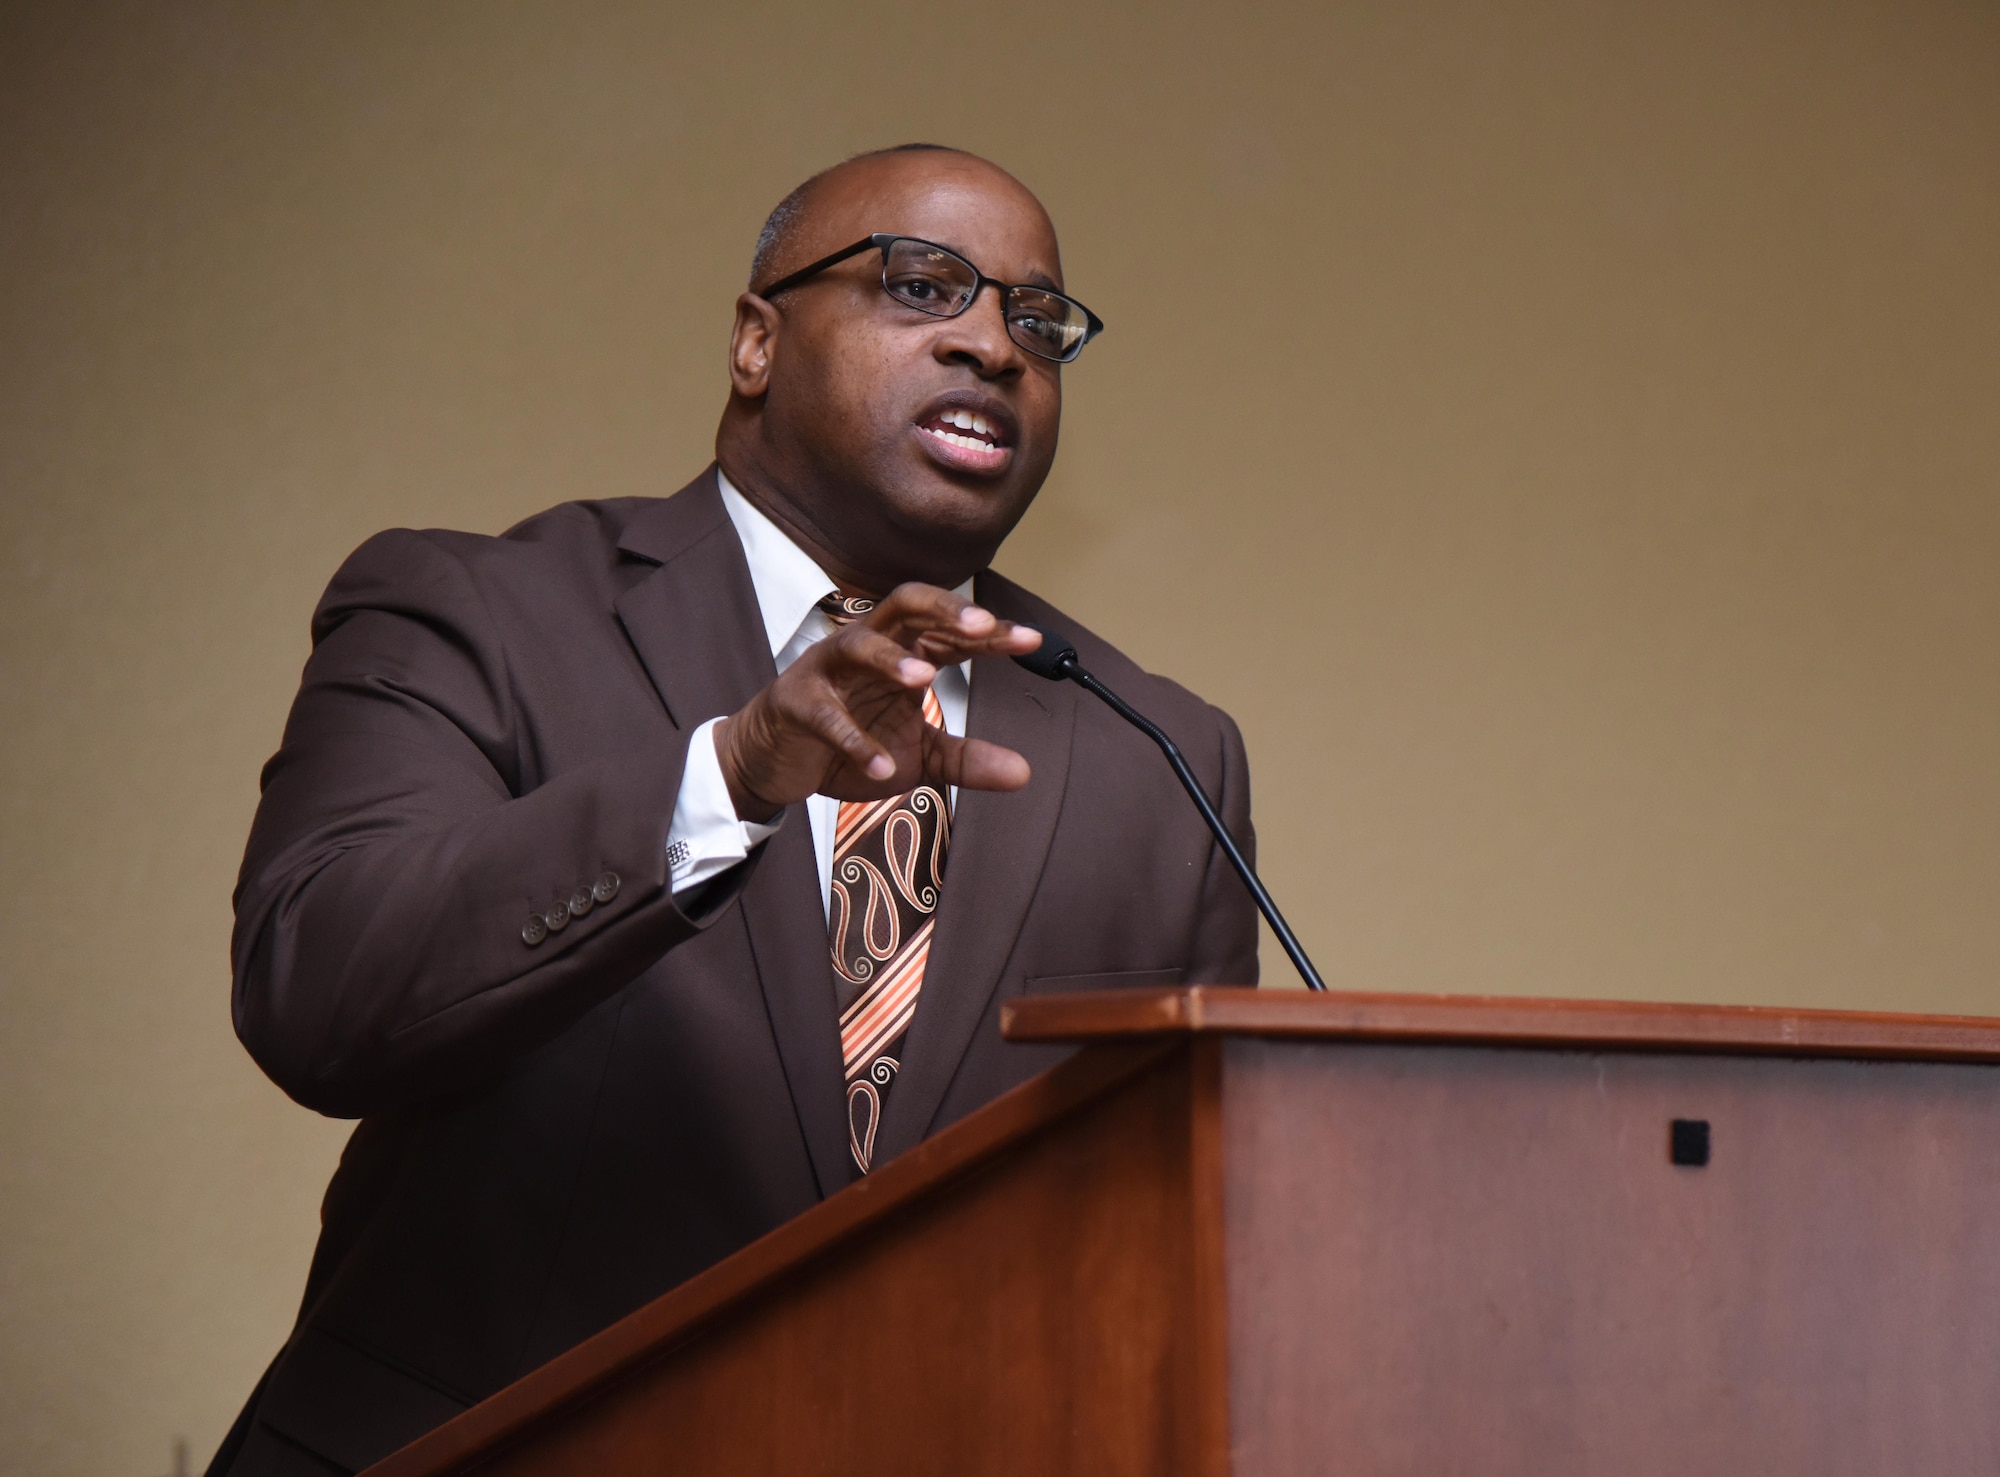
[[1056, 660]]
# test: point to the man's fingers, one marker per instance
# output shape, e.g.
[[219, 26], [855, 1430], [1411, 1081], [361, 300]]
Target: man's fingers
[[944, 628], [830, 721], [912, 610], [973, 764], [1004, 638], [875, 653], [914, 613]]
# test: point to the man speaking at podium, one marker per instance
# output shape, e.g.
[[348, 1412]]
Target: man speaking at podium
[[650, 872]]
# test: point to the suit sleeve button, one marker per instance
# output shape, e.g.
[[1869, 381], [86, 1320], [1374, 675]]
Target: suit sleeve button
[[534, 930], [582, 900], [557, 917], [605, 888]]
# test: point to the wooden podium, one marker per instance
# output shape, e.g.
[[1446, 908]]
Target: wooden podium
[[1260, 1232]]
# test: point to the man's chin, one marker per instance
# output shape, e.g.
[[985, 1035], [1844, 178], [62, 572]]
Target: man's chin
[[954, 525]]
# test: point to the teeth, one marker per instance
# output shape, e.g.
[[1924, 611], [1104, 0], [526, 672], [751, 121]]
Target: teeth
[[966, 420], [970, 443]]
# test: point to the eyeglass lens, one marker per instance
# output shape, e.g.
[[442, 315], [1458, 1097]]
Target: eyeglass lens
[[932, 280]]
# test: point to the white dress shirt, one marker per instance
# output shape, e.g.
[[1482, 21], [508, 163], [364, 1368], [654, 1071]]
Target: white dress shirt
[[706, 837]]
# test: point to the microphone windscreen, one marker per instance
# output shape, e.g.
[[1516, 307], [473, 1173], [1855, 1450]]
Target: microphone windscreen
[[1047, 660]]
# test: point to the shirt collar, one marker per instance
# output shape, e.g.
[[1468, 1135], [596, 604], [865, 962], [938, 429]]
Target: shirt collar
[[788, 580]]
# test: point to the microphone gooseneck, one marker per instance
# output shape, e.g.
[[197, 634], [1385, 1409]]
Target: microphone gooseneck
[[1056, 660]]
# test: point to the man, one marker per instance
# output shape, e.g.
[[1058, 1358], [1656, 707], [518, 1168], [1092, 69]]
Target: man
[[648, 873]]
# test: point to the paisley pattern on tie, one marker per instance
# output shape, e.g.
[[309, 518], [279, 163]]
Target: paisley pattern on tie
[[888, 871]]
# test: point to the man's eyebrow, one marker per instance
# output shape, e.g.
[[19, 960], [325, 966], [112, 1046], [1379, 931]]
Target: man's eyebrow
[[1033, 279]]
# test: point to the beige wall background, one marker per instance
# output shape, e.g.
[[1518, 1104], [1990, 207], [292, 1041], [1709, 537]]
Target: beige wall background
[[1563, 433]]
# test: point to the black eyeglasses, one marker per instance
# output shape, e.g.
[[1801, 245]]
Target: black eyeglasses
[[925, 276]]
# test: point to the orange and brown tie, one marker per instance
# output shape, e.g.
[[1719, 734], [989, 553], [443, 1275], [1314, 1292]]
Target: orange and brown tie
[[888, 868]]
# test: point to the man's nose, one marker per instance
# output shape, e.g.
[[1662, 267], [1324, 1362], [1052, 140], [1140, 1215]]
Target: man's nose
[[978, 337]]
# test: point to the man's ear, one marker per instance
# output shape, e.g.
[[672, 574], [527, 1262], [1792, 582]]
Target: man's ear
[[751, 344]]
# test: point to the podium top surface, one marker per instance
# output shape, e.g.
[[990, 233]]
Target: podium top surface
[[1482, 1020]]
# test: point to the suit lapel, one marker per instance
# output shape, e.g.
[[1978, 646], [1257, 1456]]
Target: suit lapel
[[782, 916], [695, 625], [998, 845], [694, 620]]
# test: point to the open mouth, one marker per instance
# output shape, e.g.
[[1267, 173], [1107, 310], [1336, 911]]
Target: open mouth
[[964, 428], [967, 439]]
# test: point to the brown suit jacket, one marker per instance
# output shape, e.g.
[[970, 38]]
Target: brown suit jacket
[[553, 1135]]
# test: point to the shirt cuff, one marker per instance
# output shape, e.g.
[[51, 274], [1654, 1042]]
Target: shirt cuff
[[706, 838]]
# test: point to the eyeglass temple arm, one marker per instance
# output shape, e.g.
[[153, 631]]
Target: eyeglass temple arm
[[821, 265]]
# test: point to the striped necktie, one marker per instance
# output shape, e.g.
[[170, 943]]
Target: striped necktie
[[888, 869]]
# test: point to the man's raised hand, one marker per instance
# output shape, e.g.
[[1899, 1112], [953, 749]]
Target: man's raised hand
[[847, 718]]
